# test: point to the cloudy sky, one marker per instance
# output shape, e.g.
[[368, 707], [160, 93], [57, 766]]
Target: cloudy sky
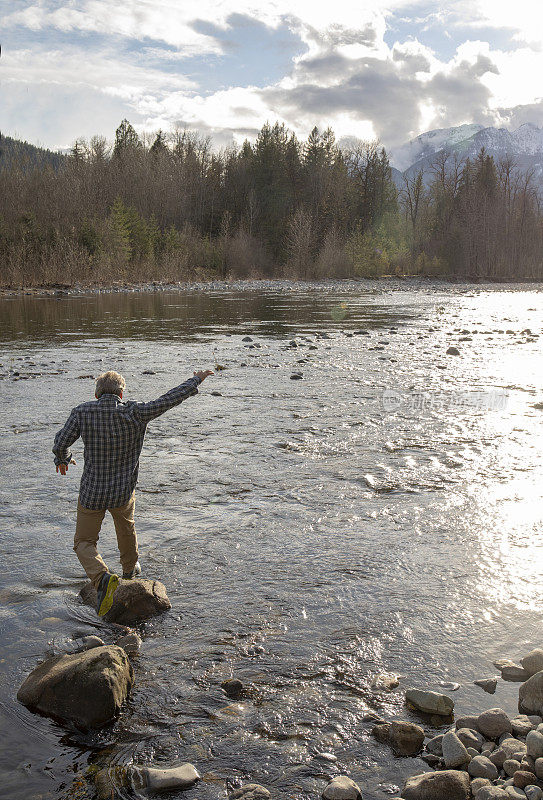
[[369, 69]]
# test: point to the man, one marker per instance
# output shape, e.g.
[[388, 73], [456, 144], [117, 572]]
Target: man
[[113, 433]]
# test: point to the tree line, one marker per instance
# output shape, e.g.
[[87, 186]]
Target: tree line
[[170, 207]]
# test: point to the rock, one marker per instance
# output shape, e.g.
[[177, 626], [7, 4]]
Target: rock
[[534, 744], [432, 761], [251, 791], [89, 642], [512, 672], [454, 753], [296, 376], [453, 351], [487, 684], [523, 778], [487, 748], [535, 719], [521, 725], [246, 339], [533, 662], [530, 695], [385, 680], [539, 768], [435, 745], [85, 688], [430, 702], [478, 783], [467, 722], [233, 688], [533, 792], [470, 738], [510, 766], [131, 643], [342, 788], [135, 600], [406, 738], [510, 748], [482, 767], [491, 793], [450, 784], [515, 793], [493, 723], [161, 780], [473, 752]]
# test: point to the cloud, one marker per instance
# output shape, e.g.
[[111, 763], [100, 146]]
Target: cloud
[[225, 68]]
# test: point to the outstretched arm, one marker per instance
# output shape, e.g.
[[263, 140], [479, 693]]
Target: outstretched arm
[[153, 409], [63, 440]]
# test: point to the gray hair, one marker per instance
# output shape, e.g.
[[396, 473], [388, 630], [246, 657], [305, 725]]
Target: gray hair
[[110, 383]]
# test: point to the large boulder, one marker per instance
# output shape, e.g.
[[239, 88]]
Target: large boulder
[[134, 600], [86, 689], [533, 662], [430, 702], [530, 695], [449, 783]]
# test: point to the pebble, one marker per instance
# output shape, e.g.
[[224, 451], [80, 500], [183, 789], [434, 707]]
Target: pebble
[[454, 753], [233, 688]]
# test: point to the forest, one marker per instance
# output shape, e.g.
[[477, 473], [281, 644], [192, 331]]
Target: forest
[[170, 208]]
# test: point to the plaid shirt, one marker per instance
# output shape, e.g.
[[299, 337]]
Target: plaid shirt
[[113, 433]]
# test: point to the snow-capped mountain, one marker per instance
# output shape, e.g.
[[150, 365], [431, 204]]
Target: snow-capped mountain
[[525, 145]]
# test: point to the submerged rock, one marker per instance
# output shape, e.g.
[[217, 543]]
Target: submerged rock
[[232, 688], [131, 643], [134, 601], [449, 784], [430, 702], [251, 791], [87, 689], [342, 788]]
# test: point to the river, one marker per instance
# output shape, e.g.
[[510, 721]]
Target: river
[[382, 514]]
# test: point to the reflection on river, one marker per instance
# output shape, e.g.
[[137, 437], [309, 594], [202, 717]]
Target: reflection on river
[[382, 514]]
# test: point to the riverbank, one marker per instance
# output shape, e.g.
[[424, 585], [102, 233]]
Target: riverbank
[[388, 282]]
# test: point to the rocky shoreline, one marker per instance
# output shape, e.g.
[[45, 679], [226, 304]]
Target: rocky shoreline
[[388, 282], [489, 756]]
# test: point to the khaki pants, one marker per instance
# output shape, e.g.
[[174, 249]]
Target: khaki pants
[[87, 529]]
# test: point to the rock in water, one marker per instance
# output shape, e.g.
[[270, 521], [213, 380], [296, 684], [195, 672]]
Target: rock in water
[[450, 784], [533, 662], [405, 738], [162, 780], [251, 791], [430, 702], [530, 695], [487, 684], [85, 688], [233, 688], [342, 788], [134, 601]]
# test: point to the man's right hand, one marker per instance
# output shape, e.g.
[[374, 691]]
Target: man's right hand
[[63, 468], [204, 374]]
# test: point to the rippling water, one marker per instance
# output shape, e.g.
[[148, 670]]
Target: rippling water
[[382, 514]]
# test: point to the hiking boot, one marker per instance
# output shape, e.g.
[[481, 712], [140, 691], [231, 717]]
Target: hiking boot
[[127, 576], [106, 589]]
